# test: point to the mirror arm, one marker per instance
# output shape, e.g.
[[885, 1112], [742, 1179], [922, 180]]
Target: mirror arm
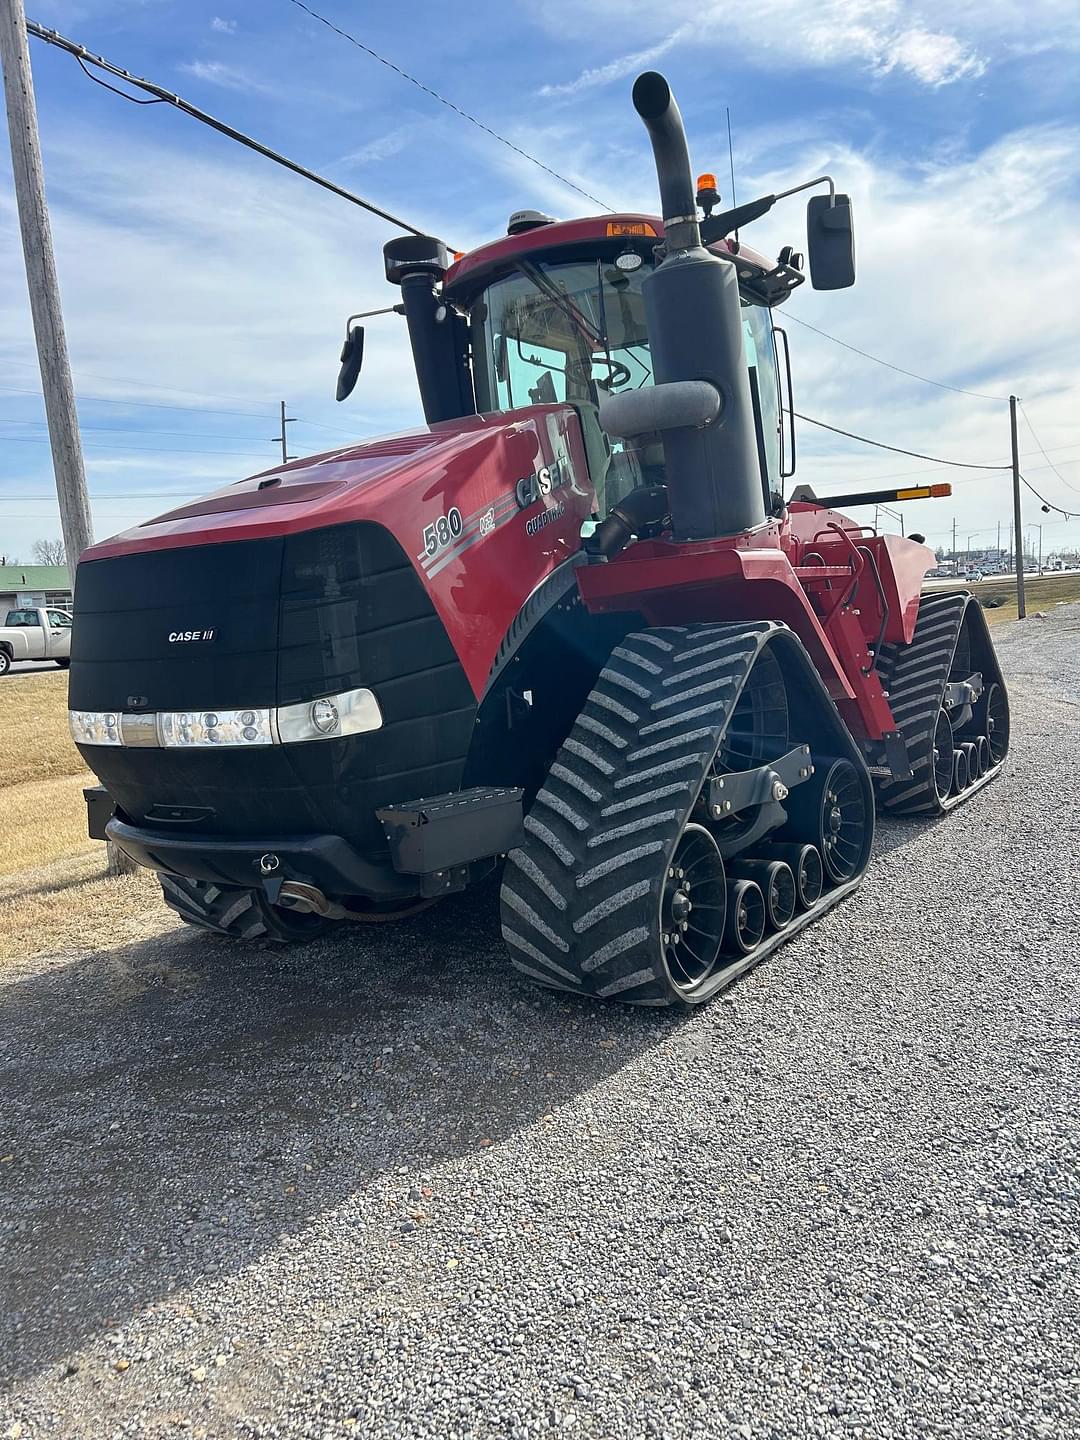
[[809, 185], [367, 314]]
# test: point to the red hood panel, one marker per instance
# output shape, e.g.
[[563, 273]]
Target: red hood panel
[[485, 508]]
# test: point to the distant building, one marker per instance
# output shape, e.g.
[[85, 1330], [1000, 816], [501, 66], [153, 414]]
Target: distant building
[[25, 585]]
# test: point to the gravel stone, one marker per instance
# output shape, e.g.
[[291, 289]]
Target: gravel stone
[[220, 1154]]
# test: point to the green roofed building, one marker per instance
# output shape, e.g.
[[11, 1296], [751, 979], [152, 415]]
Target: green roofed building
[[25, 585]]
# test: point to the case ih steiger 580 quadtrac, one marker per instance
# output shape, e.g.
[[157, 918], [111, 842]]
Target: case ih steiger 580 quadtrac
[[570, 622]]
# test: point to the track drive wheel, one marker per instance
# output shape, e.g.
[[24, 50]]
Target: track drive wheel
[[239, 913]]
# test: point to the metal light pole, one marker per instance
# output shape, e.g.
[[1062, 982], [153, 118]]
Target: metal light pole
[[1021, 608]]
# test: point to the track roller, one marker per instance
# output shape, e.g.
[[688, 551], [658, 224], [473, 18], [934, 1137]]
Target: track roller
[[961, 777], [804, 862], [971, 750], [776, 883], [745, 924]]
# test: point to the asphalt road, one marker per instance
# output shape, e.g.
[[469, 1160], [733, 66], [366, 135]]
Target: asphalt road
[[379, 1187]]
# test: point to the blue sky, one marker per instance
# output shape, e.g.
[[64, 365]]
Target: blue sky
[[201, 284]]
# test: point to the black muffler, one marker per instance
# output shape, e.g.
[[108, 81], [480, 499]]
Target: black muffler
[[692, 308]]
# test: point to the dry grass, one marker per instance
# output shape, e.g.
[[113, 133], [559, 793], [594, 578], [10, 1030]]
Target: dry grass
[[42, 821], [35, 743], [74, 905], [1040, 593], [42, 812]]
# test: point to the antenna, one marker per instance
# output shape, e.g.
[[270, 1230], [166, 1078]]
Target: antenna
[[731, 166]]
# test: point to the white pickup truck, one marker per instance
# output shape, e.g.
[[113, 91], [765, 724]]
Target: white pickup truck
[[39, 633]]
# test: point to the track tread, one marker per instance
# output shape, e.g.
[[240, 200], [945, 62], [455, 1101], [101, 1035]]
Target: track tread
[[915, 677], [223, 910], [581, 905]]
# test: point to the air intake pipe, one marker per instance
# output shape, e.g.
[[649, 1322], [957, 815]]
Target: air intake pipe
[[692, 310]]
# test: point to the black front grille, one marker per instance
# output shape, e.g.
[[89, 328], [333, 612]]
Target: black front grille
[[293, 618]]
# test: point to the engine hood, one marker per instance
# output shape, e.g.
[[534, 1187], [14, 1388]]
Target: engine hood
[[328, 488]]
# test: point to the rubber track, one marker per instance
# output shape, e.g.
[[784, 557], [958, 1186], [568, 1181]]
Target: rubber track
[[581, 898], [223, 909], [915, 677]]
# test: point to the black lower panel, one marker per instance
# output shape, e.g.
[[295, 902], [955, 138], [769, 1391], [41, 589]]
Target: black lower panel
[[290, 619]]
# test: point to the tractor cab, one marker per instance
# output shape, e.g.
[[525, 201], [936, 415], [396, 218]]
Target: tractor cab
[[554, 313]]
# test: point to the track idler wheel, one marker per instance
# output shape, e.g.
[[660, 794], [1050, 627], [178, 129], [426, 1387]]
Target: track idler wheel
[[993, 721], [833, 812], [777, 885], [745, 923], [693, 909], [804, 862], [982, 744], [944, 750]]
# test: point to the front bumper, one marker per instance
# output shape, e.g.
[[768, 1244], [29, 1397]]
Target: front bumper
[[328, 862]]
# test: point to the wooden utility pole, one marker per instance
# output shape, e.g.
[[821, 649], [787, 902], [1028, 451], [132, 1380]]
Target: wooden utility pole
[[42, 283], [283, 438], [45, 308], [1021, 608]]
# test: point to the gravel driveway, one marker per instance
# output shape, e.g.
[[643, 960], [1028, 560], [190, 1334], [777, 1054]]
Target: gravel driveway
[[379, 1187]]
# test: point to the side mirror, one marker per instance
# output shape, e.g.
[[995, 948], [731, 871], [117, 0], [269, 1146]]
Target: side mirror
[[500, 357], [830, 240], [352, 358]]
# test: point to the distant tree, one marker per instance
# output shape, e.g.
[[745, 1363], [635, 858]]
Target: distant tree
[[939, 554], [10, 560], [48, 552]]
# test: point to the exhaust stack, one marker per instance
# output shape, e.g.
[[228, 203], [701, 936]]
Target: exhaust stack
[[692, 310]]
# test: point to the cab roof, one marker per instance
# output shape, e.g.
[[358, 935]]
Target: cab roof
[[630, 228]]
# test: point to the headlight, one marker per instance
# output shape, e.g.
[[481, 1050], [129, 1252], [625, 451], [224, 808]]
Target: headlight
[[327, 718], [95, 727], [184, 729], [349, 714]]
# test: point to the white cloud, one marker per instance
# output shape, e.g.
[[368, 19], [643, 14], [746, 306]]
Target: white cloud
[[383, 147], [619, 68], [229, 77], [224, 27], [934, 46]]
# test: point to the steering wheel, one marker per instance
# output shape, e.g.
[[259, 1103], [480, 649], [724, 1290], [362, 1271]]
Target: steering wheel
[[618, 373]]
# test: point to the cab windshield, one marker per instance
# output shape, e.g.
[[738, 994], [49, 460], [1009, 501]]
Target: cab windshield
[[548, 333], [572, 332]]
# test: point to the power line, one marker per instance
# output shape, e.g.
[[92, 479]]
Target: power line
[[129, 430], [896, 449], [80, 52], [135, 449], [1047, 504], [145, 404], [940, 384], [448, 103], [149, 385], [1038, 442]]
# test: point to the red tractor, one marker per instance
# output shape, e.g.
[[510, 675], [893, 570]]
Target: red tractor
[[570, 627]]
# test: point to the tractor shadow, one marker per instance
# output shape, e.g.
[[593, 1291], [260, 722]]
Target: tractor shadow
[[172, 1108]]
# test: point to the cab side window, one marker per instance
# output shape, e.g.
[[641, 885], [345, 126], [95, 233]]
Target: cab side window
[[22, 618], [59, 621]]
